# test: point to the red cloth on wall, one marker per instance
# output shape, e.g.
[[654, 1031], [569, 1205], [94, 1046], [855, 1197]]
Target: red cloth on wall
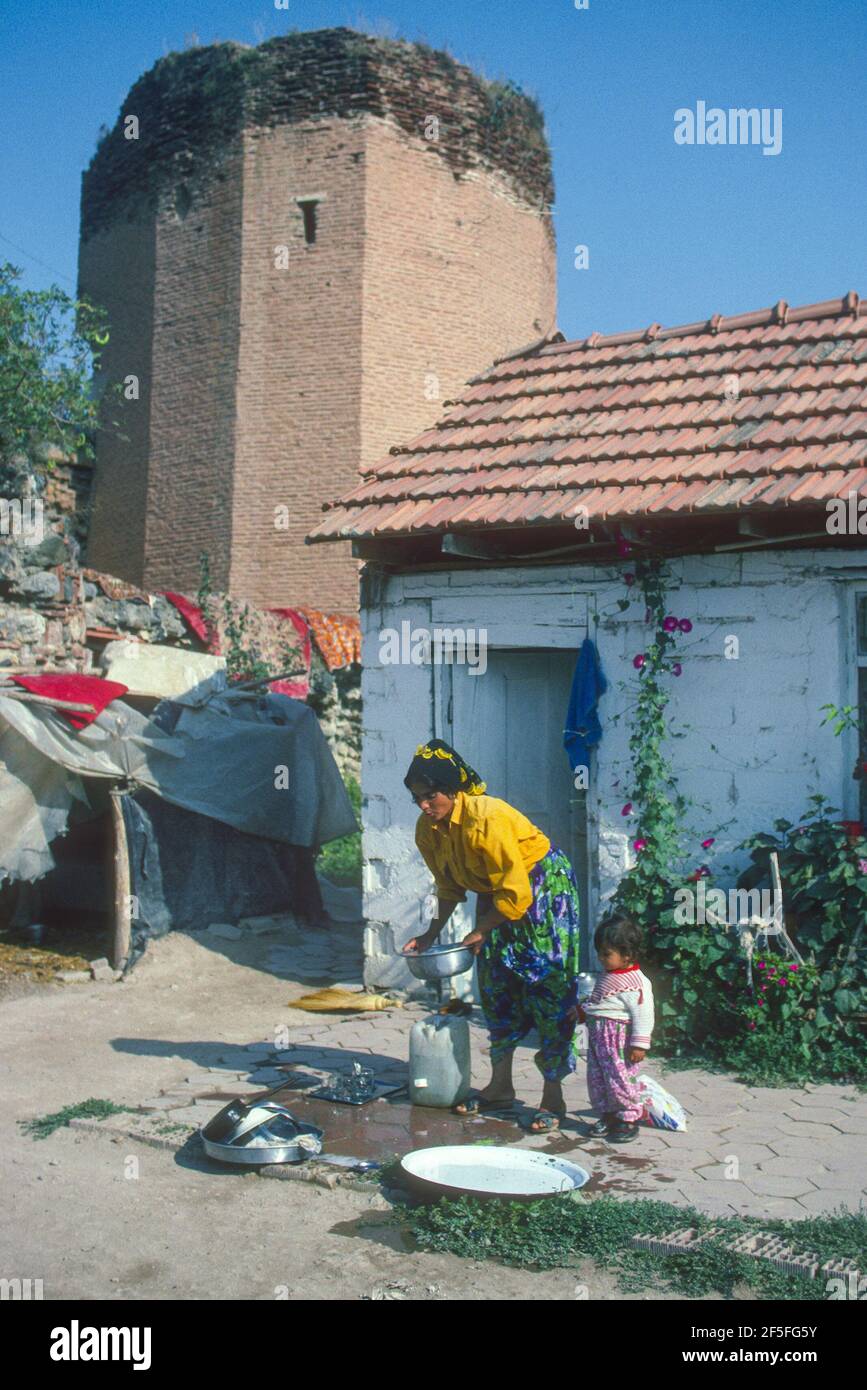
[[84, 690], [191, 613]]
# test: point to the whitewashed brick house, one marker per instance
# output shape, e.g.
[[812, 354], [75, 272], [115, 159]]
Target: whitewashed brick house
[[739, 447]]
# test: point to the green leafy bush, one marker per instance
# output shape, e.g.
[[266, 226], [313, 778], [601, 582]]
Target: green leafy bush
[[795, 1022], [340, 861]]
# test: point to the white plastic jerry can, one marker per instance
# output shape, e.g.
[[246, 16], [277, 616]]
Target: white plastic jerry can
[[439, 1061]]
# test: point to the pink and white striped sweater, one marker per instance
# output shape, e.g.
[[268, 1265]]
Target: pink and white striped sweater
[[627, 996]]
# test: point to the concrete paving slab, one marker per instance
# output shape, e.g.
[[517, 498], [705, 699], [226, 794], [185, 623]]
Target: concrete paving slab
[[774, 1185], [805, 1129], [794, 1146], [750, 1154], [696, 1195], [822, 1096], [829, 1199], [814, 1115]]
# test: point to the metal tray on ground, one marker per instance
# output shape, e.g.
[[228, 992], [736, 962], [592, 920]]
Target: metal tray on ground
[[382, 1088]]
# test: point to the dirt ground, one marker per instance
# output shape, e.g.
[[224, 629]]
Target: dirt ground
[[102, 1218]]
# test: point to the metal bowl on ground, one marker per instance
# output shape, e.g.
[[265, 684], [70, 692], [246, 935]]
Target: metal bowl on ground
[[440, 962], [258, 1133], [490, 1171]]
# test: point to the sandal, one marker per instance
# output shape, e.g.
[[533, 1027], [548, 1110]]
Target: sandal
[[544, 1121], [476, 1104]]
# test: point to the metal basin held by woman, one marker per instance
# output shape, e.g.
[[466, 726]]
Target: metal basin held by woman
[[440, 962]]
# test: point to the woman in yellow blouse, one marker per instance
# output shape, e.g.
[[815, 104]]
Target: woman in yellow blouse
[[526, 933]]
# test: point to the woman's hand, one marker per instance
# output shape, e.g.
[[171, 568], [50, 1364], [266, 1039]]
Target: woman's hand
[[476, 940], [635, 1054], [420, 943]]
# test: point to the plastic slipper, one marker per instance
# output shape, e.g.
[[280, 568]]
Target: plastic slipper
[[544, 1121], [476, 1104]]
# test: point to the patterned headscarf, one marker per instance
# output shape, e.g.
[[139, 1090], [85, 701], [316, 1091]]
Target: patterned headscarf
[[436, 765]]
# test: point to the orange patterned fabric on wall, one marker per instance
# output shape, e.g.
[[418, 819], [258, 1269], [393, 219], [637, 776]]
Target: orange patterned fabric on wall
[[337, 635]]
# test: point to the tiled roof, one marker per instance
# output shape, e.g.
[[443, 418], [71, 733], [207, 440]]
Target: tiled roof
[[764, 411]]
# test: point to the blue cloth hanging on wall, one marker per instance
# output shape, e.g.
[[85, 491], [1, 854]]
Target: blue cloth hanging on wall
[[583, 729]]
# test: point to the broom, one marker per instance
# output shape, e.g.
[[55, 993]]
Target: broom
[[337, 1000]]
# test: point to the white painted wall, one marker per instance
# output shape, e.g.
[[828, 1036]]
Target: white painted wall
[[752, 749]]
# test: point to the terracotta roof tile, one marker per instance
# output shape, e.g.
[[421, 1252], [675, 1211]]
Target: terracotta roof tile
[[763, 410]]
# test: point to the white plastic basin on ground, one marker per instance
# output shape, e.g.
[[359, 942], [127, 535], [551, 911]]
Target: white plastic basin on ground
[[491, 1171]]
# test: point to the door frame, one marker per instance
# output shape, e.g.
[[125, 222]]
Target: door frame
[[525, 636]]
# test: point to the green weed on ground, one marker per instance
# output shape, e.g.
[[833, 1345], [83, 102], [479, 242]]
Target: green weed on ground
[[43, 1125], [560, 1232]]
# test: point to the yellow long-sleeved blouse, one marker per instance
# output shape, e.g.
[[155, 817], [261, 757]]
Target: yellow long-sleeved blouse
[[485, 846]]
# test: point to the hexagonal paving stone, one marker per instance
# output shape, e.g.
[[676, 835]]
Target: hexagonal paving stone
[[853, 1124], [828, 1095], [792, 1165], [805, 1129], [679, 1161], [745, 1153], [684, 1141], [722, 1172], [815, 1115], [716, 1198], [775, 1103], [748, 1134], [829, 1199], [772, 1185], [797, 1145]]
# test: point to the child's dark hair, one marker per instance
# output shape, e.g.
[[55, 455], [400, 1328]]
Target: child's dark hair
[[619, 933]]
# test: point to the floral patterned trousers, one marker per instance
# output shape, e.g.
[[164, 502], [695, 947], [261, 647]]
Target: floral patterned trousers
[[610, 1078], [528, 969]]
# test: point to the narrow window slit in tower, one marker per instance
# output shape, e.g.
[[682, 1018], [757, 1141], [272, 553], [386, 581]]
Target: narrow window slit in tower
[[308, 208]]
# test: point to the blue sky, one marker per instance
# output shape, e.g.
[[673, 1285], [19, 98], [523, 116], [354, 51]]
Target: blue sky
[[675, 232]]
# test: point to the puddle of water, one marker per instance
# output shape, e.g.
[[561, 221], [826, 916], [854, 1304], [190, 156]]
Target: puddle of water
[[392, 1127], [382, 1232], [383, 1128]]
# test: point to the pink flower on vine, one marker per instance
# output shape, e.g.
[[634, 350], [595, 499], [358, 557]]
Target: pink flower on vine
[[763, 987], [706, 844], [639, 661], [862, 866], [639, 845], [784, 983], [752, 1025], [627, 810], [670, 624], [676, 669], [793, 968], [760, 965], [685, 625], [761, 1003]]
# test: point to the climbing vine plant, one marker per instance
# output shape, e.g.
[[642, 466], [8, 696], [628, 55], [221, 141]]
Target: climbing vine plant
[[656, 807]]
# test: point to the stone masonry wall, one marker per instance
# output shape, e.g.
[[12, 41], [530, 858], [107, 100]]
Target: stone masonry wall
[[57, 614]]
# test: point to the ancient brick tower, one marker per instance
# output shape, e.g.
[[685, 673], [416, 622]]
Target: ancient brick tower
[[303, 248]]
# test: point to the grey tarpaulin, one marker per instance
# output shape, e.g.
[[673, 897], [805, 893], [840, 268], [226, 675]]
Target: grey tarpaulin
[[259, 764], [187, 871]]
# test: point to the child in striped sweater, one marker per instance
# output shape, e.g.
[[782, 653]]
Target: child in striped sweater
[[619, 1018]]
